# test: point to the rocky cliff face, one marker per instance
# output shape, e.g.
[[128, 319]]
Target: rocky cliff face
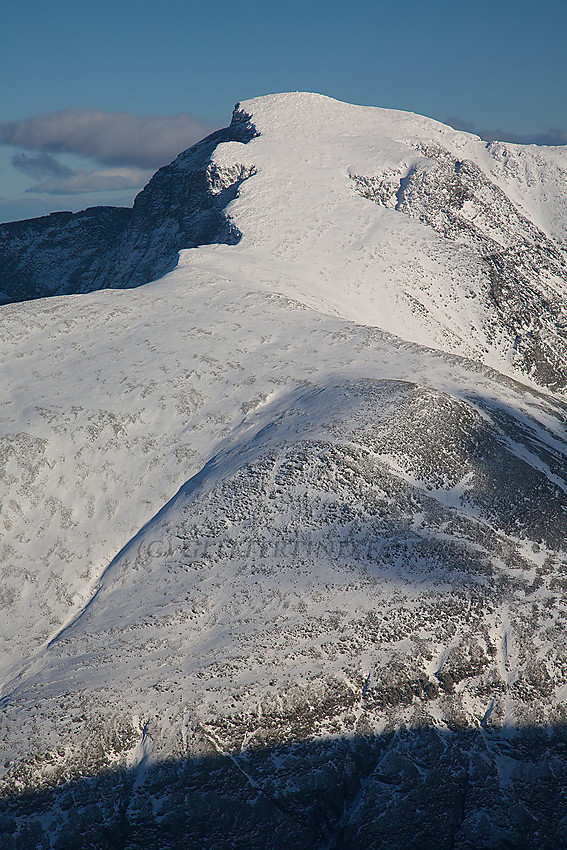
[[418, 788], [181, 207]]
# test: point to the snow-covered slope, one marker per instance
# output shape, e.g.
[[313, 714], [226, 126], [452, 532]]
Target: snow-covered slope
[[455, 251], [308, 487]]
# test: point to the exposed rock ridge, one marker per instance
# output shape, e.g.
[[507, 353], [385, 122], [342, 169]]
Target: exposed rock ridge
[[526, 270], [181, 207]]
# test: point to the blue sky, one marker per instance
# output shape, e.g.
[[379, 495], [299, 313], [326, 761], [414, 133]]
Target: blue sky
[[496, 66]]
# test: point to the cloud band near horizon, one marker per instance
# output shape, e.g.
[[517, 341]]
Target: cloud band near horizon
[[112, 138], [132, 145], [554, 136]]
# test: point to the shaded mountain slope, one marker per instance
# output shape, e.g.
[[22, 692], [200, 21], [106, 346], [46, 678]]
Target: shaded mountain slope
[[366, 553], [363, 558], [414, 788]]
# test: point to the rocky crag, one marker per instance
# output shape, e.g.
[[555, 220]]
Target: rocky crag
[[284, 532], [181, 207]]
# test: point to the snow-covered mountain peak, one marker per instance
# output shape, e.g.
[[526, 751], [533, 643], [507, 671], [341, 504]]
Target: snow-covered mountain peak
[[293, 115], [402, 223], [375, 215]]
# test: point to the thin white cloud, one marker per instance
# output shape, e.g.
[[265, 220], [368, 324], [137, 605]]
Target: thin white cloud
[[111, 138], [133, 145]]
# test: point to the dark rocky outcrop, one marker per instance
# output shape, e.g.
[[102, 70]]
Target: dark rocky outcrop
[[111, 247], [423, 788], [522, 271]]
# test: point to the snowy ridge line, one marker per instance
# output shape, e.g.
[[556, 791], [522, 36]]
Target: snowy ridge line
[[102, 583], [235, 447], [181, 207]]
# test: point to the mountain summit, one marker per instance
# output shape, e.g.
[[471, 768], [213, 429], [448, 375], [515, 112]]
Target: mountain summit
[[480, 244], [283, 531]]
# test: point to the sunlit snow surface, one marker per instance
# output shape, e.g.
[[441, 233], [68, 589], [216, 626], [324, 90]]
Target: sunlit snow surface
[[322, 467]]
